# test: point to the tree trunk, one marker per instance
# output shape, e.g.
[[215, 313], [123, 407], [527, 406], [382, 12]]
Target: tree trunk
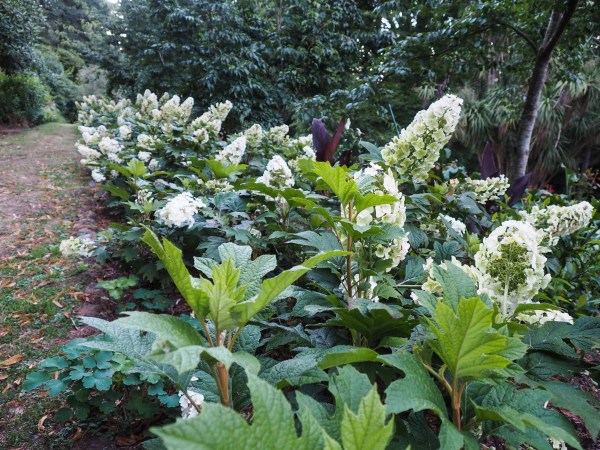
[[556, 26]]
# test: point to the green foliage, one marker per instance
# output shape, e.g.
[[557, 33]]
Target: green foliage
[[466, 341], [17, 33], [98, 382], [223, 299], [117, 287], [359, 422], [22, 98]]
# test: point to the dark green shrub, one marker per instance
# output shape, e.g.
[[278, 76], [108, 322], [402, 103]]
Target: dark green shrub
[[61, 87], [22, 98]]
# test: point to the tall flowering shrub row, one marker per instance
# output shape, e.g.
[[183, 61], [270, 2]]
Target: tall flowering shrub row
[[417, 271]]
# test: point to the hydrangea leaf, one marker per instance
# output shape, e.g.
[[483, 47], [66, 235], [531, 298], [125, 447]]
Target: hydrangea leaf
[[342, 355], [183, 359], [165, 327], [135, 345], [376, 323], [225, 170], [271, 288], [575, 400], [416, 390], [367, 428], [223, 293], [323, 241], [522, 411], [363, 202], [466, 341], [171, 258], [219, 427], [337, 180], [456, 284]]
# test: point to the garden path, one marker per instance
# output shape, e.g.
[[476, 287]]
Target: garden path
[[44, 197]]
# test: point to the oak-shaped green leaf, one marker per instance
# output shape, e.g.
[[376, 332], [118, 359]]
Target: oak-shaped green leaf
[[368, 428], [416, 390], [171, 258], [337, 180], [164, 326], [218, 427], [466, 341], [271, 288]]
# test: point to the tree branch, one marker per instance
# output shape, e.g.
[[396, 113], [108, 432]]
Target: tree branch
[[522, 34], [555, 32]]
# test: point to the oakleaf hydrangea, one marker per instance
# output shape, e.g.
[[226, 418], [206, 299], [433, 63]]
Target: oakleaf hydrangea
[[73, 246], [510, 265], [277, 174], [492, 188], [180, 210], [557, 221], [234, 152], [414, 153]]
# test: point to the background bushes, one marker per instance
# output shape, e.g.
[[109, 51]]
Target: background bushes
[[22, 99]]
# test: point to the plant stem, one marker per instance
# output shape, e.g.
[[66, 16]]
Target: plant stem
[[505, 301], [234, 338], [456, 394], [192, 402], [207, 332], [223, 376]]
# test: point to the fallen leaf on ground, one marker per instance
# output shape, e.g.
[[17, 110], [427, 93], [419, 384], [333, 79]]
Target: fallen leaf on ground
[[12, 360]]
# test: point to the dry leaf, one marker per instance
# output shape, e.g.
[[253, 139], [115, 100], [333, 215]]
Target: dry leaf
[[12, 360], [41, 423]]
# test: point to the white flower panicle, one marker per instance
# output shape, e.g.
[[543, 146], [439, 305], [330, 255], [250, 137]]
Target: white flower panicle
[[147, 103], [375, 180], [279, 134], [216, 186], [180, 210], [540, 317], [73, 246], [144, 156], [146, 141], [455, 224], [89, 154], [277, 174], [124, 132], [414, 153], [174, 111], [557, 221], [234, 152], [510, 265], [396, 251], [493, 188], [220, 111], [254, 136], [98, 176]]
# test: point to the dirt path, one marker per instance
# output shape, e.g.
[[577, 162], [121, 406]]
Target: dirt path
[[39, 176], [44, 198]]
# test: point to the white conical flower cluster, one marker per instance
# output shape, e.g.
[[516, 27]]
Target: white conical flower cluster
[[374, 179], [180, 210], [492, 188], [234, 152], [277, 175], [510, 265], [80, 246], [557, 221], [414, 153]]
